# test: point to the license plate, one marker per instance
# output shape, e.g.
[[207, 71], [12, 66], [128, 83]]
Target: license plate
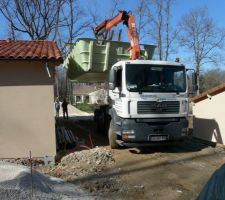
[[157, 138]]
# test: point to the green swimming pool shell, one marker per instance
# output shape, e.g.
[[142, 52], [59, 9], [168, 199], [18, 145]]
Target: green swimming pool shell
[[89, 60]]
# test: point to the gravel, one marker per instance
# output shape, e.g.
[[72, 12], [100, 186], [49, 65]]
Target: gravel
[[15, 183]]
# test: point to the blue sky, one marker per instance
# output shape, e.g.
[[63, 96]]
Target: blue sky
[[216, 10], [216, 7]]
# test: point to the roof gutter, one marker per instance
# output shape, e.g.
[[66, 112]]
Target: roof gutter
[[57, 61]]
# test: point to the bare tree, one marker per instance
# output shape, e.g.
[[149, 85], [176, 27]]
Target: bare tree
[[211, 78], [157, 22], [170, 34], [141, 18], [200, 35], [61, 20], [75, 22], [160, 30], [38, 19], [114, 7], [11, 31]]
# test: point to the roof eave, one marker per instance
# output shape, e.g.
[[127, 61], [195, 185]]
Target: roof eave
[[53, 60], [212, 92]]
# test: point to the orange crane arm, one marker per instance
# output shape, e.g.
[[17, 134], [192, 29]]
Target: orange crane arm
[[129, 20]]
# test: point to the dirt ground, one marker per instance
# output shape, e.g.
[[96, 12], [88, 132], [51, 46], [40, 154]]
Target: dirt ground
[[177, 172], [169, 172]]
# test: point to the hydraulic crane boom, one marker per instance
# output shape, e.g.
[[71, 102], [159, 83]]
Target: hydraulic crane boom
[[129, 20]]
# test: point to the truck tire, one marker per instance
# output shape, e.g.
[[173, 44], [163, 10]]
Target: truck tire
[[112, 137]]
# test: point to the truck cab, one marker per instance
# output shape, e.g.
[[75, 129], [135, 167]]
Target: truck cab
[[148, 103]]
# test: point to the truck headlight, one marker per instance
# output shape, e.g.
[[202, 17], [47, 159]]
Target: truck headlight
[[128, 134], [184, 131], [184, 105]]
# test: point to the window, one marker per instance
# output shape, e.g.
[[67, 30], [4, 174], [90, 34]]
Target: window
[[86, 99], [78, 98], [119, 78], [155, 78]]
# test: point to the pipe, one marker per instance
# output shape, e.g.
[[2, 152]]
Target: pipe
[[47, 69]]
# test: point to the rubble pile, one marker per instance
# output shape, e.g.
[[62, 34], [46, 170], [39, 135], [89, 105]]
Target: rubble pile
[[81, 163], [94, 156]]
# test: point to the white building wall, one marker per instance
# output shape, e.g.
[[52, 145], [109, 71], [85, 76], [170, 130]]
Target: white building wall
[[97, 96], [209, 119], [92, 99]]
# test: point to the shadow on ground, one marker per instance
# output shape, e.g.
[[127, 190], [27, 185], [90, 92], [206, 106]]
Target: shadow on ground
[[188, 145], [84, 126], [110, 173]]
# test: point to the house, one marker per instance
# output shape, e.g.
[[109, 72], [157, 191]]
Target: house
[[26, 98], [89, 93], [209, 112]]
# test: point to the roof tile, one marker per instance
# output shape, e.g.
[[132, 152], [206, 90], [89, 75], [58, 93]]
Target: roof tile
[[213, 91], [29, 50]]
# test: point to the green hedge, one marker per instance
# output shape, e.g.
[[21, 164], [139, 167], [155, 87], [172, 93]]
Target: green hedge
[[86, 107]]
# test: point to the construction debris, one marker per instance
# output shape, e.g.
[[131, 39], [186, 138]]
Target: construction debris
[[65, 138], [98, 155], [24, 161], [79, 165]]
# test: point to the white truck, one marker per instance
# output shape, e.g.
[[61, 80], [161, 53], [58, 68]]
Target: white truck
[[147, 99], [147, 103]]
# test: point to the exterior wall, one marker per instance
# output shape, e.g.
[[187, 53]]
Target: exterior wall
[[208, 122], [98, 96], [27, 110], [95, 97]]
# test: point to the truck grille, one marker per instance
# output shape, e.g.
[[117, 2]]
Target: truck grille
[[152, 107]]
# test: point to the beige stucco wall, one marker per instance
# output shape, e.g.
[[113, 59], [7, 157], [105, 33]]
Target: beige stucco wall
[[209, 116], [27, 111]]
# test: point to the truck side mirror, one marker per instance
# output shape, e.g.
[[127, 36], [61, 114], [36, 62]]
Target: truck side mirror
[[112, 79], [194, 81]]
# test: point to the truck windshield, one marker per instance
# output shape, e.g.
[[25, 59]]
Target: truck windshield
[[155, 78]]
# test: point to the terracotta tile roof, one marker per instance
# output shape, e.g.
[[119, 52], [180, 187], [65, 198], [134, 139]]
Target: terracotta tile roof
[[213, 91], [29, 50]]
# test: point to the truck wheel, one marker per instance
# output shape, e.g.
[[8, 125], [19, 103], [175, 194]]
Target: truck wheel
[[113, 137]]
